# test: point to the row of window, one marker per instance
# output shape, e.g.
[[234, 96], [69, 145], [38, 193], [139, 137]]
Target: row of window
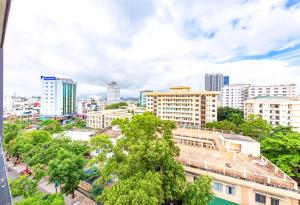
[[261, 198], [231, 190]]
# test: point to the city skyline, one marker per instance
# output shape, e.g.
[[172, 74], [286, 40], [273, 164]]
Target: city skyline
[[159, 45]]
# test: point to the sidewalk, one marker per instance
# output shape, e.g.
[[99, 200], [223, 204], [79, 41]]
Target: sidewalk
[[49, 188]]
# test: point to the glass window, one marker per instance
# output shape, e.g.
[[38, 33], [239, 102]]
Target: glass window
[[218, 186], [260, 198], [274, 201], [230, 190]]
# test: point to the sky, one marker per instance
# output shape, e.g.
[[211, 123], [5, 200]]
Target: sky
[[150, 44]]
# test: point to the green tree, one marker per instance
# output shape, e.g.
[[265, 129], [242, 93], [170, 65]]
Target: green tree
[[41, 199], [49, 150], [103, 145], [283, 149], [143, 164], [67, 169], [231, 114], [236, 118], [199, 192], [51, 125], [27, 144], [23, 186], [223, 125], [116, 105], [10, 133], [136, 190], [79, 122], [255, 127]]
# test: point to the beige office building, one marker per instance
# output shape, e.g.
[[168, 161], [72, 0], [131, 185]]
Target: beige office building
[[102, 119], [241, 176], [184, 106], [276, 110]]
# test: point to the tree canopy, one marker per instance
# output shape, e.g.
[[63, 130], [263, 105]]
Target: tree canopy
[[116, 105], [255, 127], [142, 164], [223, 125], [233, 115], [283, 149], [67, 169]]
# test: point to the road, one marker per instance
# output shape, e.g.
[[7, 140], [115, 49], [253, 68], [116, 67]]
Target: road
[[5, 198]]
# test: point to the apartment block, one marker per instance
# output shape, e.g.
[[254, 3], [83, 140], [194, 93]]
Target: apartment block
[[102, 119], [288, 90], [58, 97], [241, 175], [276, 110], [235, 95], [184, 106]]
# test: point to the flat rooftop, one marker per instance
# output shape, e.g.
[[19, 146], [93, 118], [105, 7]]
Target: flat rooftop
[[211, 134], [235, 165], [238, 137], [111, 133]]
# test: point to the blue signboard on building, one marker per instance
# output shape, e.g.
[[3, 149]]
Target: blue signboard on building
[[48, 78]]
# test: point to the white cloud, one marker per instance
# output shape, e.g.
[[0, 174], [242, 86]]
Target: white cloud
[[148, 44]]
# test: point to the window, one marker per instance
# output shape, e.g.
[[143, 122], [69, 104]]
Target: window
[[274, 201], [218, 186], [260, 198], [230, 190]]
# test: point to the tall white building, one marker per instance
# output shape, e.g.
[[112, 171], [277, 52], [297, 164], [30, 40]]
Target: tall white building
[[58, 97], [234, 95], [214, 81], [276, 110], [288, 90], [113, 93]]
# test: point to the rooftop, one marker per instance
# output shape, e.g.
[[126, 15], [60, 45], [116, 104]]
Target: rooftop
[[208, 150]]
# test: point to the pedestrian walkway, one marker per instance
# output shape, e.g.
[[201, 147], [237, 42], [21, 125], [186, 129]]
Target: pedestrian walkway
[[45, 186]]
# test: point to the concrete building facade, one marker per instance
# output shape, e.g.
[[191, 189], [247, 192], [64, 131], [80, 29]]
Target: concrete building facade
[[214, 82], [184, 106], [58, 97], [241, 175], [102, 119], [275, 110], [113, 93], [235, 95]]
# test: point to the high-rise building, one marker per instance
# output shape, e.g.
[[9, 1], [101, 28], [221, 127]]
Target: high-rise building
[[235, 95], [143, 97], [226, 80], [113, 93], [276, 110], [288, 90], [184, 106], [58, 97], [214, 81]]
